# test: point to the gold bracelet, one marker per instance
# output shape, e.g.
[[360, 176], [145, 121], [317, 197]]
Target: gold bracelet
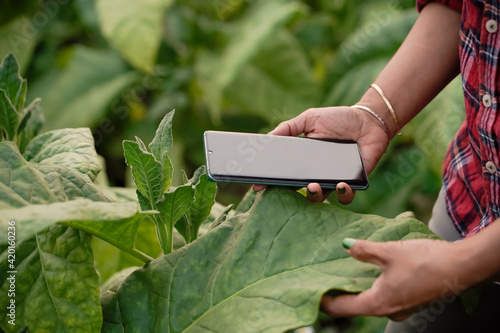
[[389, 106], [370, 111]]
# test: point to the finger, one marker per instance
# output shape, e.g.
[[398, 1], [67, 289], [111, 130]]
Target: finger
[[258, 187], [366, 251], [347, 305], [367, 303], [315, 192], [344, 193], [286, 128], [294, 126]]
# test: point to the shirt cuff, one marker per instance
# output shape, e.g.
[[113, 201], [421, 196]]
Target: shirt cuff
[[455, 4]]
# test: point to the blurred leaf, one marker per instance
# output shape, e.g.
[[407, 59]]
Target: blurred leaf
[[260, 23], [363, 55], [88, 13], [87, 109], [79, 94], [350, 88], [393, 183], [134, 28], [279, 78], [43, 303], [12, 9], [264, 271], [18, 38]]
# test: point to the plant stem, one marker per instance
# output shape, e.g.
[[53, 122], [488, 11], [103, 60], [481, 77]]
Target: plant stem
[[164, 236], [132, 251], [170, 237], [139, 255]]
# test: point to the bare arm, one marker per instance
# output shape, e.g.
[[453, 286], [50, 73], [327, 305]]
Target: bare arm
[[424, 64]]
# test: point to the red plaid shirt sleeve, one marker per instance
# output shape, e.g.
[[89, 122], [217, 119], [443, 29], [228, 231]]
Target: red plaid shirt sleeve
[[471, 171]]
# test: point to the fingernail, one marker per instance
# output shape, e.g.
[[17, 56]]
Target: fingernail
[[341, 190], [312, 193], [347, 243]]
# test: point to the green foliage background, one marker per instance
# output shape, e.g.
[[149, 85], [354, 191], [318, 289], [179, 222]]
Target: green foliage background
[[118, 66]]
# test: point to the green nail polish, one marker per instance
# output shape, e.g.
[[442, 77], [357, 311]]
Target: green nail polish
[[312, 193], [347, 243], [342, 190]]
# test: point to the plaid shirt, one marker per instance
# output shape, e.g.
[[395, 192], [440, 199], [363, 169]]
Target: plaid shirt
[[471, 171]]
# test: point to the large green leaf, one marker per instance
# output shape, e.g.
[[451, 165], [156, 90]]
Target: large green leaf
[[56, 285], [262, 271], [114, 222], [52, 173], [146, 170], [20, 182], [70, 148], [134, 28]]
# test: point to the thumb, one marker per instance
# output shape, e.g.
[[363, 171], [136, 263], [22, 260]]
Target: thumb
[[366, 251]]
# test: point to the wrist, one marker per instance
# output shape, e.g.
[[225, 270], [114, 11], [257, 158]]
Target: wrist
[[372, 100], [370, 120]]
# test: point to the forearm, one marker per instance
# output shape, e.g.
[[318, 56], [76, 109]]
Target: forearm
[[479, 256], [425, 63]]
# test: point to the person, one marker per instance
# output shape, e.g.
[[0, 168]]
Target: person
[[421, 279]]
